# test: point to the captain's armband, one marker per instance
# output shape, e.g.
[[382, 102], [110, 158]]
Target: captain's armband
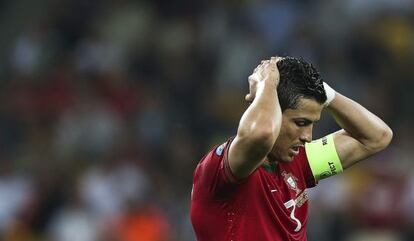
[[322, 157]]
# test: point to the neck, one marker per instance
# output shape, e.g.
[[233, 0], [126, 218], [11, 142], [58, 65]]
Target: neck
[[271, 158], [269, 165]]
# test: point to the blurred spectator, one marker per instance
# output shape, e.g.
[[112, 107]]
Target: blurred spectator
[[15, 191], [142, 223]]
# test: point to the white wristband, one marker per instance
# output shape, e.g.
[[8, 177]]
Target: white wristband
[[330, 94]]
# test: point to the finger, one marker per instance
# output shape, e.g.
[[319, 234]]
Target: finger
[[265, 62], [248, 98], [275, 59], [252, 89], [257, 68], [253, 77], [278, 58], [264, 70], [273, 70], [273, 65], [260, 65]]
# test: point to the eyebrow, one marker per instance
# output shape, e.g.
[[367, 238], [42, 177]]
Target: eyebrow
[[306, 120]]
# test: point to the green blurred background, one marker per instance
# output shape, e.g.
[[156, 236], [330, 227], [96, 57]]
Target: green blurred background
[[107, 106]]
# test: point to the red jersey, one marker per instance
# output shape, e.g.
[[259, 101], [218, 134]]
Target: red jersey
[[269, 205]]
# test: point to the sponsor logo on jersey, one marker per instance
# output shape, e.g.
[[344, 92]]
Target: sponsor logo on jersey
[[302, 198], [219, 150]]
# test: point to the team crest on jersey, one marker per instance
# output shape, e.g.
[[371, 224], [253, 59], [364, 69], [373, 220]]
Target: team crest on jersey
[[291, 182], [302, 198], [219, 150]]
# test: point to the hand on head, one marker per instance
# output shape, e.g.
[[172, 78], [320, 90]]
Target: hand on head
[[266, 71]]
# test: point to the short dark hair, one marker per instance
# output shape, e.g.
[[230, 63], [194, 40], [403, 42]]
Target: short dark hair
[[298, 79]]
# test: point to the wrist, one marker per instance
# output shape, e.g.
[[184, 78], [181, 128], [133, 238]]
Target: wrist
[[330, 94]]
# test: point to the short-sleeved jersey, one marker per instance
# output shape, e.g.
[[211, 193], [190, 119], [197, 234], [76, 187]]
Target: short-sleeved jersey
[[269, 205]]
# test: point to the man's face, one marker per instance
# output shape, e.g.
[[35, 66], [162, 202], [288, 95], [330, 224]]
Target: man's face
[[296, 129]]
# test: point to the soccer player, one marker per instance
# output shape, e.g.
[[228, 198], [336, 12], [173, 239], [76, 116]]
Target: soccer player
[[253, 187]]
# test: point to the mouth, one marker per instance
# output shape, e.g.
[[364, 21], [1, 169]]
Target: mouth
[[294, 151]]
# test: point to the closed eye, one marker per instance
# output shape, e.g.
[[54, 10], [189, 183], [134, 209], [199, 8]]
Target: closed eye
[[304, 122]]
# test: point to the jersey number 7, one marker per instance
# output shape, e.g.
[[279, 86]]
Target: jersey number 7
[[292, 204]]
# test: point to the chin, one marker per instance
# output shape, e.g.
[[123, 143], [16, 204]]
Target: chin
[[281, 157], [286, 158]]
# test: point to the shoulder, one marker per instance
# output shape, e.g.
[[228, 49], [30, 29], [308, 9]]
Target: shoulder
[[214, 162], [212, 174], [216, 153]]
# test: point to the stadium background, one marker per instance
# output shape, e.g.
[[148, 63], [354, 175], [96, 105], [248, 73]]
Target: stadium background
[[107, 106]]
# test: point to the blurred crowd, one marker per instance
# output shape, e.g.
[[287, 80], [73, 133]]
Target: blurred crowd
[[107, 107]]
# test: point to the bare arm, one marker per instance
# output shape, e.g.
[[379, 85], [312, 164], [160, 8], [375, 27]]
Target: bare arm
[[260, 124], [363, 133]]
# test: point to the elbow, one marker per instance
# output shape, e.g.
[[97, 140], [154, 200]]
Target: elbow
[[383, 140], [387, 136]]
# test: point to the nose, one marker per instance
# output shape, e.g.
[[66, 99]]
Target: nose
[[306, 135]]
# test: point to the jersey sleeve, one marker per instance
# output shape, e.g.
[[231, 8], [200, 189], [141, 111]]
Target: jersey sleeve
[[213, 176]]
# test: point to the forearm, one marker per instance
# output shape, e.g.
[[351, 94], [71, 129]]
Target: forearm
[[360, 123], [260, 124], [262, 119]]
